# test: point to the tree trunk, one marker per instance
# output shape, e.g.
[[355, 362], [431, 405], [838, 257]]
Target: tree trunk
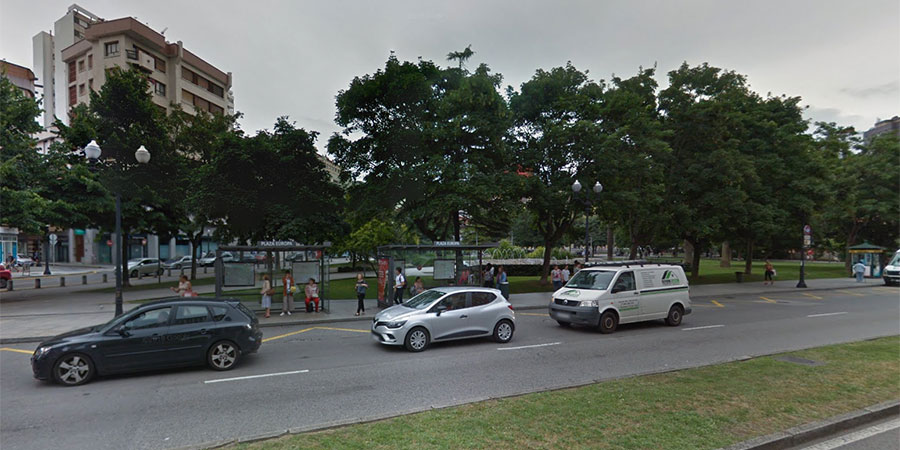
[[545, 268], [695, 261], [748, 259], [726, 255], [688, 251], [632, 254], [610, 242], [195, 246]]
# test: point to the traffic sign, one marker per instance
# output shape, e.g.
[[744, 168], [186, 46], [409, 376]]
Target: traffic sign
[[807, 241], [53, 239], [807, 230], [143, 241], [109, 242]]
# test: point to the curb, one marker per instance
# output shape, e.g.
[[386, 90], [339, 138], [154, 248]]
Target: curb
[[802, 434], [784, 291], [33, 339]]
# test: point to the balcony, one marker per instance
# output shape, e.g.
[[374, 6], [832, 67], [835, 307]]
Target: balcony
[[131, 54]]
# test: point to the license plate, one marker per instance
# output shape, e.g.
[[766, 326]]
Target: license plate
[[563, 315]]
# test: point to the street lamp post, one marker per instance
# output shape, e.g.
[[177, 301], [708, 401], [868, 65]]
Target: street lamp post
[[576, 188], [92, 153]]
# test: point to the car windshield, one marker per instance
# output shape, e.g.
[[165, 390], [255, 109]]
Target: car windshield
[[424, 299], [591, 279], [896, 260]]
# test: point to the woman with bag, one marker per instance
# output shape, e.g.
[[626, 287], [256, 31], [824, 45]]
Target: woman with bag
[[361, 287], [267, 292], [287, 301], [312, 294]]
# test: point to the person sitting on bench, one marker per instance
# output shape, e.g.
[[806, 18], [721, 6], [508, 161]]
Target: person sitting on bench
[[312, 294]]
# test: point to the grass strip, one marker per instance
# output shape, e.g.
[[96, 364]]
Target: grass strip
[[702, 408]]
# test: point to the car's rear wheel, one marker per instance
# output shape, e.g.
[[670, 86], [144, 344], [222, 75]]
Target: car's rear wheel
[[675, 315], [134, 274], [223, 355], [503, 331], [159, 272], [608, 322], [73, 369], [417, 339], [564, 324]]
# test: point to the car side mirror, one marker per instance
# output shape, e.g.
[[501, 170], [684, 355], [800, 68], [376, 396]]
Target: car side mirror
[[440, 309], [124, 331]]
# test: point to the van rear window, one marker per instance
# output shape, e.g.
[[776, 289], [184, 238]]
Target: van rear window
[[591, 279]]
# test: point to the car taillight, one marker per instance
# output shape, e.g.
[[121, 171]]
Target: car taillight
[[510, 308]]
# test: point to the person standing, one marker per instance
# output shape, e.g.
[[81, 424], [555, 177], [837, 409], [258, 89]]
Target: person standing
[[184, 288], [769, 273], [418, 287], [488, 275], [556, 277], [399, 286], [565, 274], [287, 302], [503, 282], [312, 294], [576, 267], [860, 270], [267, 292], [361, 287]]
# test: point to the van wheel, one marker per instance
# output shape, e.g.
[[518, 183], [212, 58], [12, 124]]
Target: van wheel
[[608, 322], [675, 315], [564, 324]]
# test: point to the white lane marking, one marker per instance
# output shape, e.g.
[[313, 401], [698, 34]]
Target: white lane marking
[[702, 328], [827, 314], [856, 436], [529, 346], [257, 376]]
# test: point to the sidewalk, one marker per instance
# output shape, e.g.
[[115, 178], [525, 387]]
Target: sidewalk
[[40, 313]]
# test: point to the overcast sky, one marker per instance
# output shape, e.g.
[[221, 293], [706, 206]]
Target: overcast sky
[[292, 57]]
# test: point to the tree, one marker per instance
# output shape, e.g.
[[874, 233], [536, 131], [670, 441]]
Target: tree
[[556, 140], [706, 182], [40, 189], [430, 145]]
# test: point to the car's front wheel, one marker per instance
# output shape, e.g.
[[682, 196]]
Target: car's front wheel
[[503, 331], [73, 369], [417, 339], [608, 322], [223, 355], [134, 274]]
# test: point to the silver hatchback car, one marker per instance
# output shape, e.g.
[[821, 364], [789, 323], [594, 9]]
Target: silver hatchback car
[[446, 314]]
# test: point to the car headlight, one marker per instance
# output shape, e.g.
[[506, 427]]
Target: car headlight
[[396, 324], [41, 351], [591, 303]]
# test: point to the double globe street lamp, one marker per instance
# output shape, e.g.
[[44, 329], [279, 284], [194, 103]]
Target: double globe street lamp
[[92, 153], [576, 188]]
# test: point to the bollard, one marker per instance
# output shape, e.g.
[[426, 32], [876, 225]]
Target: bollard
[[182, 271], [37, 283], [84, 279], [62, 281], [204, 269], [104, 278], [170, 273], [140, 275], [9, 285]]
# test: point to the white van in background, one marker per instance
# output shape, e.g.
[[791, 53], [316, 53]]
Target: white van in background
[[607, 295], [891, 272]]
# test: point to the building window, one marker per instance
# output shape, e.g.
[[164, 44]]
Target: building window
[[90, 62], [72, 96], [187, 97], [81, 66], [112, 48], [81, 89], [216, 90], [158, 87], [216, 109], [72, 72], [91, 84], [159, 65]]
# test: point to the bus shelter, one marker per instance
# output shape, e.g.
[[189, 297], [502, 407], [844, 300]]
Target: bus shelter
[[243, 266], [454, 263], [870, 255]]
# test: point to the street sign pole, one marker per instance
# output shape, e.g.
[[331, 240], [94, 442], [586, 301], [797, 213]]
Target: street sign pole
[[807, 233]]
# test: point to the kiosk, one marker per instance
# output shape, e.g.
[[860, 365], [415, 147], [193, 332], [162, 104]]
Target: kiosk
[[870, 255]]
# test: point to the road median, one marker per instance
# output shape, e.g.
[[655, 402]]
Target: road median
[[701, 408]]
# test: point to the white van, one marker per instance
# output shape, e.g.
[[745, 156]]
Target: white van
[[605, 296], [891, 272]]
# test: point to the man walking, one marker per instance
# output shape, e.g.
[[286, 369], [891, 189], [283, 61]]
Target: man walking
[[399, 286], [859, 269]]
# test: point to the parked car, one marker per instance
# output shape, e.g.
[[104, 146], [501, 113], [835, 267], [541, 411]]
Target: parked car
[[209, 259], [606, 295], [144, 266], [168, 333], [178, 263], [891, 273], [5, 276], [446, 314], [24, 261]]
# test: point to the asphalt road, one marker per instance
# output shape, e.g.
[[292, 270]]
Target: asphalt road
[[882, 435], [339, 374]]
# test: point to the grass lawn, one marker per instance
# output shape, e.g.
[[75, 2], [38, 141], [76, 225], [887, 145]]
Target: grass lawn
[[702, 408]]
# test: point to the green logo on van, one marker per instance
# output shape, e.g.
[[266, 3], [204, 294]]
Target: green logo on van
[[669, 278]]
